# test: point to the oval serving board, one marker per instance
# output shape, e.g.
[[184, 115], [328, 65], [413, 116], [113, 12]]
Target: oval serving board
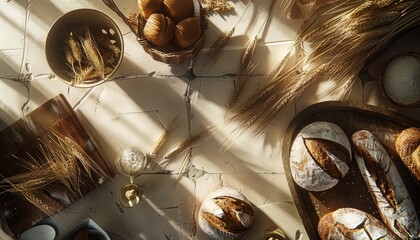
[[351, 191]]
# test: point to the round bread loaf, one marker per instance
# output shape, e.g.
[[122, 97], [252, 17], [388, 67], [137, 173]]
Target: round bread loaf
[[407, 145], [352, 224], [225, 214], [320, 156]]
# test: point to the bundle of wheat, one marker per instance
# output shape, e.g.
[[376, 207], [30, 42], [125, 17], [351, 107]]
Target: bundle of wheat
[[352, 33], [58, 159]]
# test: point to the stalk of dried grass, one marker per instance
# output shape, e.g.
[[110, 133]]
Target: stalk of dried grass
[[75, 48], [183, 169], [341, 48], [245, 69], [246, 66], [222, 40]]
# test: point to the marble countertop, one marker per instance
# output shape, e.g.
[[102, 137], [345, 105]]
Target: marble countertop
[[145, 95]]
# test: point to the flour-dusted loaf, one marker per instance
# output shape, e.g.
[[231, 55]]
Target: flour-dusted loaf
[[407, 145], [391, 197], [320, 155], [353, 224], [225, 214]]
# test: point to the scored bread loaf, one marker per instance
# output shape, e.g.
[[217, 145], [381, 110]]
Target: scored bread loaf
[[407, 145], [225, 214], [320, 155], [352, 224], [391, 197]]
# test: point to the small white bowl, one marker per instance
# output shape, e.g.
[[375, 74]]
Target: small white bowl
[[44, 232]]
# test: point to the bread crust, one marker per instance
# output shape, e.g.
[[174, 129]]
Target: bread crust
[[391, 197], [407, 145], [225, 214], [320, 155], [352, 224]]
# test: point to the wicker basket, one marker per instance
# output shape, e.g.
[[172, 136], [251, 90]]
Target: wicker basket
[[170, 54]]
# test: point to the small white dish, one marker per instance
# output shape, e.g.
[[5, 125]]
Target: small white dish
[[45, 232]]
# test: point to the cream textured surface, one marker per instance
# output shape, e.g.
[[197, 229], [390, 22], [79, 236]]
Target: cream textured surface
[[145, 94]]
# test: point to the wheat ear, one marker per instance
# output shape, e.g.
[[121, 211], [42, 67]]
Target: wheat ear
[[92, 53], [162, 138], [184, 145], [75, 48], [43, 202]]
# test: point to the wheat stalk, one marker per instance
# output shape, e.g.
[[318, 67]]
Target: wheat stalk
[[341, 48], [62, 164], [43, 202], [28, 181], [75, 48], [246, 67], [162, 138], [184, 165], [87, 162], [106, 43], [70, 59], [184, 145], [223, 39], [92, 53]]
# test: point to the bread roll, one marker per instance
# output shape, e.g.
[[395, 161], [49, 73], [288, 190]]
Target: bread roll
[[159, 29], [178, 10], [352, 224], [148, 7], [320, 156], [386, 186], [225, 214], [407, 145], [187, 32]]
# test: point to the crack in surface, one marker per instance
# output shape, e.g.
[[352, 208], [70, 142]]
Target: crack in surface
[[172, 207]]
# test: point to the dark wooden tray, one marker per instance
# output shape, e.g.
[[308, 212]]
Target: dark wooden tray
[[20, 139], [351, 191]]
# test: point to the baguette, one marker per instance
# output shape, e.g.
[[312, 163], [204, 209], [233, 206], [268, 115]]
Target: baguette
[[391, 197], [353, 224], [407, 145]]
